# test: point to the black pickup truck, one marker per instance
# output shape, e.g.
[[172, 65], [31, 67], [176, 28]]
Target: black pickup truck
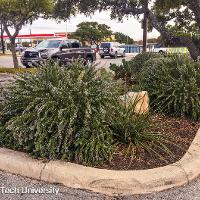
[[62, 50]]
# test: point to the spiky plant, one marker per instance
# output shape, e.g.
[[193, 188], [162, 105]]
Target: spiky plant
[[142, 58], [59, 113], [136, 132], [124, 71], [174, 85]]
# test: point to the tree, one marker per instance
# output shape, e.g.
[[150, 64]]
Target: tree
[[16, 13], [92, 32], [184, 13], [122, 38], [2, 42]]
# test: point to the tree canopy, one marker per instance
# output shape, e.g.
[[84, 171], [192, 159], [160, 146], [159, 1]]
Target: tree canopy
[[184, 13], [122, 38], [92, 32], [17, 13]]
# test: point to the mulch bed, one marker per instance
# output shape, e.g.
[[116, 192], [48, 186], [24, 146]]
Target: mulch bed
[[179, 131]]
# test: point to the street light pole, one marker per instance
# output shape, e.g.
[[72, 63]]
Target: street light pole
[[145, 24]]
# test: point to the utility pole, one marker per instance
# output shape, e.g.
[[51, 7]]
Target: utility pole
[[2, 42], [145, 25], [66, 29], [30, 32]]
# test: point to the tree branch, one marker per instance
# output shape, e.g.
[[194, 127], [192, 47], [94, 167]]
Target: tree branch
[[177, 40], [194, 5]]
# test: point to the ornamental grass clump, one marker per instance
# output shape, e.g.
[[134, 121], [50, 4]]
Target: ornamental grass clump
[[59, 113], [125, 71], [174, 85], [137, 131], [128, 71], [142, 58]]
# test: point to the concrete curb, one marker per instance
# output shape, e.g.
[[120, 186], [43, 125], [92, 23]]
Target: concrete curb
[[108, 182]]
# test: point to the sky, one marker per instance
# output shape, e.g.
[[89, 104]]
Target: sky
[[129, 26]]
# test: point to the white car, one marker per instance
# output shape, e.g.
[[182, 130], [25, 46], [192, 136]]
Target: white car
[[171, 50], [112, 49]]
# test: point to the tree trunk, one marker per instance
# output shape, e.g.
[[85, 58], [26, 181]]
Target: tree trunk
[[14, 55], [12, 43], [193, 49], [181, 41], [2, 42], [145, 24]]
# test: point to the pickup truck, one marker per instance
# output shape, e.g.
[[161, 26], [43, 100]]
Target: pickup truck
[[64, 51]]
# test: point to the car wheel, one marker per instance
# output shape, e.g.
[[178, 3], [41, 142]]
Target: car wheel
[[102, 56], [124, 54], [56, 60], [115, 56], [27, 66], [89, 60], [162, 52]]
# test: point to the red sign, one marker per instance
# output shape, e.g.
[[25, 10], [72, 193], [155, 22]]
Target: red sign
[[33, 36]]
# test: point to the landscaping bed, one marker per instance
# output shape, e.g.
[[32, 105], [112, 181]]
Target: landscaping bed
[[82, 115], [179, 131]]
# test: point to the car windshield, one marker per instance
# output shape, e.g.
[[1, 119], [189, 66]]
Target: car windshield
[[105, 45], [49, 44]]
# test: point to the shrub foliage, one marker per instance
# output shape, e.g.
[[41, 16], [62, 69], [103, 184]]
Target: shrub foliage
[[125, 71], [71, 113], [174, 85], [136, 131], [142, 58], [128, 71], [59, 113]]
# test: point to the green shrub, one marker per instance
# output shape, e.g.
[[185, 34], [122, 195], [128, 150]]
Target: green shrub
[[142, 58], [59, 113], [71, 113], [107, 75], [174, 85], [124, 71], [128, 71], [137, 131]]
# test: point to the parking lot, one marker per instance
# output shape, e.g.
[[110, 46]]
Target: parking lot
[[6, 61]]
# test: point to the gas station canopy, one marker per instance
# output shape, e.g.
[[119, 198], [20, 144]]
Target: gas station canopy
[[37, 36]]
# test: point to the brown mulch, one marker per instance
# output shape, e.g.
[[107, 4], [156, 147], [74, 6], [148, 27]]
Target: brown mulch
[[179, 133]]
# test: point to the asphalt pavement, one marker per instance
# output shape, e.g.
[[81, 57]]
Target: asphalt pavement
[[28, 189], [6, 61]]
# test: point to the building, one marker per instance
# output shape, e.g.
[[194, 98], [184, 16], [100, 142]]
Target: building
[[33, 39]]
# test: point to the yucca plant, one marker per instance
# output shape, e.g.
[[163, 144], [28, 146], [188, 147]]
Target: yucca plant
[[142, 58], [59, 113], [125, 71], [174, 85], [136, 132], [128, 71]]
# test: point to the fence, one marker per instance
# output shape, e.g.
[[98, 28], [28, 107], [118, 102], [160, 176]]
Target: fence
[[132, 48]]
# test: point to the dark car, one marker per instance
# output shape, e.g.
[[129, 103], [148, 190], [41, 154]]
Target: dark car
[[1, 48], [62, 50], [19, 48]]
